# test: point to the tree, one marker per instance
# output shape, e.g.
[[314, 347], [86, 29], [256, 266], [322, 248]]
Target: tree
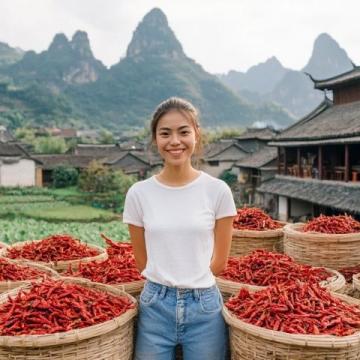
[[98, 178], [106, 137], [64, 176], [50, 145]]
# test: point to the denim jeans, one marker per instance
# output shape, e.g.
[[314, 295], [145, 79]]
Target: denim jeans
[[190, 317]]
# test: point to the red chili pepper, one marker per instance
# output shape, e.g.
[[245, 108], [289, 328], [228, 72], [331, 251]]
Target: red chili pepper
[[254, 219], [52, 248], [33, 312], [263, 268], [341, 224], [119, 268], [16, 272], [296, 308]]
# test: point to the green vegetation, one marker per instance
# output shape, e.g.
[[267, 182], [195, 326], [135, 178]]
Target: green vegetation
[[22, 229], [65, 176], [49, 145], [11, 210], [97, 178]]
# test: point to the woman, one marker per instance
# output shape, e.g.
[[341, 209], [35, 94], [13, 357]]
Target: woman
[[180, 224]]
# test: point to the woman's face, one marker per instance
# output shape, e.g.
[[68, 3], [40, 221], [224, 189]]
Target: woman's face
[[175, 138]]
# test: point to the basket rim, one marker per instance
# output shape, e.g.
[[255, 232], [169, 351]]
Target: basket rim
[[75, 335], [295, 229], [258, 233], [321, 341], [102, 254]]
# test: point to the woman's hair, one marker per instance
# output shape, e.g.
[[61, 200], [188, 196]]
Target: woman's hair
[[188, 110]]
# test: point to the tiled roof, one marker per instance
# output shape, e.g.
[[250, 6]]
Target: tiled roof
[[339, 195], [259, 158]]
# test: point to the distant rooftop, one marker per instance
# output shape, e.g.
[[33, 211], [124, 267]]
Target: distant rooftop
[[347, 78]]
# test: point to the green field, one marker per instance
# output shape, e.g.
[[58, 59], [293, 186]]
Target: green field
[[21, 229], [29, 214]]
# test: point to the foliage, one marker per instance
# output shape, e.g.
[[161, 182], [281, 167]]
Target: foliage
[[215, 134], [64, 176], [106, 137], [229, 177], [81, 213], [21, 191], [50, 145], [11, 210], [16, 199], [21, 229], [98, 178]]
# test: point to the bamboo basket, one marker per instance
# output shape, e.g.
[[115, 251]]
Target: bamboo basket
[[228, 288], [9, 285], [111, 340], [246, 241], [133, 288], [330, 250], [250, 342], [61, 266]]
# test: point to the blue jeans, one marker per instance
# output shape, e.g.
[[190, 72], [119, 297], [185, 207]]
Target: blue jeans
[[190, 317]]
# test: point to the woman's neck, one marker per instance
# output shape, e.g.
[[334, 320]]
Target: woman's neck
[[177, 175]]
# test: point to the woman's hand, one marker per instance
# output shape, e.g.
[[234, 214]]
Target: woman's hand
[[222, 243], [138, 241]]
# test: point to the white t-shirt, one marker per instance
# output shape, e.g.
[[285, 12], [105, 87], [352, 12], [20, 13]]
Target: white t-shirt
[[179, 227]]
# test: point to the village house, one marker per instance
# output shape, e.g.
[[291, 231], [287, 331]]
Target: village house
[[131, 162], [319, 157], [17, 167], [221, 156]]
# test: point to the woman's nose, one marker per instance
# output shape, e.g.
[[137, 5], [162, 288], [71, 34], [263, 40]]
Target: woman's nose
[[174, 139]]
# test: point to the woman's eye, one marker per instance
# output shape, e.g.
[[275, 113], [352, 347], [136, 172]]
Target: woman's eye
[[164, 134], [185, 132]]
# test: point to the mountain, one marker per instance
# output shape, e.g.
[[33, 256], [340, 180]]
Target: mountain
[[66, 84], [9, 55], [261, 78], [292, 90], [296, 92], [63, 63], [155, 68]]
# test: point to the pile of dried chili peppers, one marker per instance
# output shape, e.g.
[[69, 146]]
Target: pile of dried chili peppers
[[16, 272], [117, 248], [348, 272], [114, 270], [119, 268], [263, 268], [54, 306], [340, 224], [297, 309], [254, 219], [52, 248]]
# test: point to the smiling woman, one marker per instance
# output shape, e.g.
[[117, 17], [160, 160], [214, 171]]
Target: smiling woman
[[180, 224]]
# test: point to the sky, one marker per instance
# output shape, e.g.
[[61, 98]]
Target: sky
[[221, 35]]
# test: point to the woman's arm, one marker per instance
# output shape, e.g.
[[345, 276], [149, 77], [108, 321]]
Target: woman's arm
[[222, 243], [138, 241]]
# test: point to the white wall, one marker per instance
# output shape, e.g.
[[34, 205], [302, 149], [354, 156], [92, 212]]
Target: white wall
[[217, 170], [283, 208], [21, 173]]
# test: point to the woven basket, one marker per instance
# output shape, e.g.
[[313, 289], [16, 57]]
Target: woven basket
[[250, 342], [3, 245], [111, 340], [246, 241], [228, 288], [8, 285], [61, 266], [331, 250]]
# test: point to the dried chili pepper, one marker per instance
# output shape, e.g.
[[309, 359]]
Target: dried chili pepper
[[114, 270], [54, 306], [16, 272], [263, 268], [116, 248], [296, 308], [254, 219], [52, 248], [340, 224]]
